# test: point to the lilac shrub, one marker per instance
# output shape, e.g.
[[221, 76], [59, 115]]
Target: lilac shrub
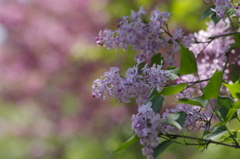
[[205, 59]]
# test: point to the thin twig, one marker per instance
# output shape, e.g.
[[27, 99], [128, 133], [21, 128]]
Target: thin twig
[[204, 48], [214, 37], [206, 141], [195, 82], [227, 53]]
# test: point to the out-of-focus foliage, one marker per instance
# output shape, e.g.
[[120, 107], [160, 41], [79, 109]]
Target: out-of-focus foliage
[[47, 66], [48, 60]]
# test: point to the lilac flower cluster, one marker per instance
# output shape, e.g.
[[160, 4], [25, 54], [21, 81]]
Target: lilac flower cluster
[[136, 32], [211, 53], [195, 119], [143, 36], [137, 83], [221, 6], [147, 124], [148, 38]]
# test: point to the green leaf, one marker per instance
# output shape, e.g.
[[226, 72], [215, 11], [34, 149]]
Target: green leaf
[[222, 112], [232, 113], [213, 87], [237, 104], [141, 65], [171, 90], [234, 89], [161, 147], [208, 12], [200, 147], [188, 62], [225, 139], [237, 39], [232, 46], [156, 100], [129, 142], [217, 132], [206, 132], [173, 71], [215, 19], [225, 102], [157, 59], [235, 76], [176, 119], [218, 124], [194, 101], [201, 144]]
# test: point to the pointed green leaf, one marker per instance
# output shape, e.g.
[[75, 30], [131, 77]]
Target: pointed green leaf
[[222, 112], [129, 142], [226, 108], [161, 147], [234, 89], [237, 104], [237, 39], [208, 12], [235, 76], [213, 87], [156, 100], [188, 62], [217, 132], [141, 65], [232, 113], [200, 147], [171, 90], [194, 101], [232, 46], [157, 59], [225, 102], [173, 71], [215, 19], [218, 124], [206, 132], [176, 119]]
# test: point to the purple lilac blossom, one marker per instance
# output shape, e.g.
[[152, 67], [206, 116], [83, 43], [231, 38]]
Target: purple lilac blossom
[[145, 125], [211, 54], [195, 119], [133, 30], [145, 37], [136, 84], [148, 125], [221, 6]]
